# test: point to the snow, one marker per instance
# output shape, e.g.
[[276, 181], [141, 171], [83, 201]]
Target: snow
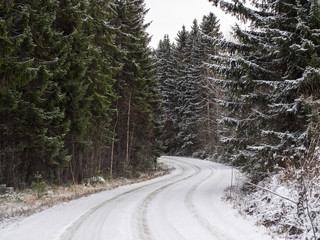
[[276, 202], [186, 204]]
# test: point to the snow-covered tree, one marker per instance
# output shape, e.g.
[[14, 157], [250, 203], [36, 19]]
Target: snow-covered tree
[[208, 125], [166, 82], [187, 98], [269, 74], [179, 83], [191, 81]]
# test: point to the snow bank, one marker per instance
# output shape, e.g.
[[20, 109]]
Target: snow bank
[[293, 219]]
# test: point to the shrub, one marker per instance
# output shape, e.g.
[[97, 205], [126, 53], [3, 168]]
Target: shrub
[[39, 186]]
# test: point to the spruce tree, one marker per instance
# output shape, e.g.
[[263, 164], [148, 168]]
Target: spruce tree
[[15, 73], [193, 103], [166, 81], [70, 18], [181, 57], [209, 127], [99, 77], [188, 99], [32, 128], [269, 81], [136, 127], [61, 87]]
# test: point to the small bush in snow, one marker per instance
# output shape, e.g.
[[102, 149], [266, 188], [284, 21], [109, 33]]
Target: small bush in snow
[[39, 186]]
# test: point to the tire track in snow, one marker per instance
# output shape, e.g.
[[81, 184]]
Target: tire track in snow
[[144, 232], [204, 223], [68, 232]]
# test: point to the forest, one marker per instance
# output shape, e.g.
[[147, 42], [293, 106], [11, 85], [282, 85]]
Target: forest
[[78, 91], [83, 94], [251, 102]]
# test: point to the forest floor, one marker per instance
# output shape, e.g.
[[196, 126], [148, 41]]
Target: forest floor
[[18, 204]]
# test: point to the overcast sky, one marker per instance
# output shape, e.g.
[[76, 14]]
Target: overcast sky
[[168, 16]]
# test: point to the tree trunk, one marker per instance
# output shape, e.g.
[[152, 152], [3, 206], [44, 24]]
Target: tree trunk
[[208, 121], [113, 140], [72, 160], [128, 132], [131, 141]]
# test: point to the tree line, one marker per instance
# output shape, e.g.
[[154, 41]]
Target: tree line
[[188, 96], [78, 90], [252, 101]]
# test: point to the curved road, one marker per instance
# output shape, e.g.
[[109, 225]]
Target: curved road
[[184, 205]]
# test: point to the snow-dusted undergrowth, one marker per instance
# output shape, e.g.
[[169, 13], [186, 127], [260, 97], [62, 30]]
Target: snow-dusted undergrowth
[[288, 203]]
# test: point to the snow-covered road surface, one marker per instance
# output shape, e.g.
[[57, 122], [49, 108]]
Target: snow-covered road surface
[[184, 205]]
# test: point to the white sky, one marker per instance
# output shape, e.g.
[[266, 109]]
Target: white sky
[[168, 16]]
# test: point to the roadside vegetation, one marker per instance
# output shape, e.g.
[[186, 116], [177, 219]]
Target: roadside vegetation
[[17, 204]]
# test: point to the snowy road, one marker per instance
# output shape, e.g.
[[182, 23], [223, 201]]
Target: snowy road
[[184, 205]]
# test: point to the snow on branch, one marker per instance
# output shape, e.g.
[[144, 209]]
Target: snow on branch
[[280, 135]]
